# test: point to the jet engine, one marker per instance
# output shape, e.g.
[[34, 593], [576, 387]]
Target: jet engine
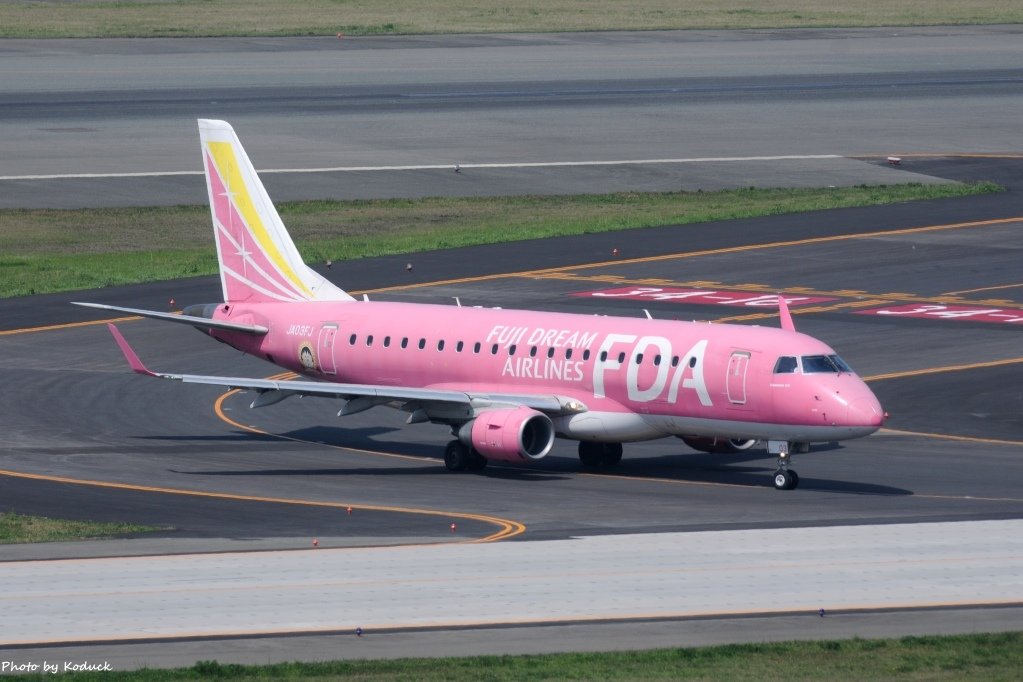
[[718, 445], [509, 435]]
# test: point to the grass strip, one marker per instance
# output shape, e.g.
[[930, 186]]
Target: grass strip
[[44, 251], [19, 528], [987, 657], [190, 18]]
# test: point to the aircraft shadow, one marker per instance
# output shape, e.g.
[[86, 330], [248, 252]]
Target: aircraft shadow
[[750, 468], [507, 473], [729, 470], [356, 438], [338, 471]]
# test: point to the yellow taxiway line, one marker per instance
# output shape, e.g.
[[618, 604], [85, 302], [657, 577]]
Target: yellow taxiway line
[[507, 527], [942, 370]]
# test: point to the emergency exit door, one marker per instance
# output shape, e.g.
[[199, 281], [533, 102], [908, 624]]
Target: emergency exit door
[[735, 384]]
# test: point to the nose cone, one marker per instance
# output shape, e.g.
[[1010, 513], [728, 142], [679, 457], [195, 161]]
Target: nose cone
[[865, 411]]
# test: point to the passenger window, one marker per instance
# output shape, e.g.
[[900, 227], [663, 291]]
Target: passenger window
[[440, 345], [511, 349], [459, 347], [603, 356], [550, 352], [657, 360], [621, 358], [785, 365], [532, 351], [404, 342], [476, 347], [568, 353], [674, 361], [639, 358], [387, 342], [422, 344], [493, 349], [351, 340], [369, 340], [586, 354], [692, 362]]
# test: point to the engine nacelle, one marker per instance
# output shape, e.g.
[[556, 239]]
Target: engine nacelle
[[510, 435], [718, 445]]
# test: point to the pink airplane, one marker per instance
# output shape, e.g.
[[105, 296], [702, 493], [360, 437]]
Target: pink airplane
[[507, 382]]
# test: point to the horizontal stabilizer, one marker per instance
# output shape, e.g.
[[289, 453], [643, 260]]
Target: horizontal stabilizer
[[204, 322]]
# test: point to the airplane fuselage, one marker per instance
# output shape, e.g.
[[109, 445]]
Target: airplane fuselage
[[638, 378]]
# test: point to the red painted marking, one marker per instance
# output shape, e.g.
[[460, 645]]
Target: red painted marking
[[702, 296], [934, 311]]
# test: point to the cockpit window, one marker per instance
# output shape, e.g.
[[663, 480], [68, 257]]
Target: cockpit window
[[824, 363], [841, 364], [786, 365]]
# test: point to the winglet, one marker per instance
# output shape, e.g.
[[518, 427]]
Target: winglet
[[129, 353], [785, 315]]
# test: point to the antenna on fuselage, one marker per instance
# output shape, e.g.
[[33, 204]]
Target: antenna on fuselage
[[785, 315], [648, 315]]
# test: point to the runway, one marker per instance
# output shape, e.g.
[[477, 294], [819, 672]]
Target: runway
[[919, 298], [813, 103]]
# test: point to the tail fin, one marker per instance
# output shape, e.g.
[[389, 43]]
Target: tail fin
[[258, 260]]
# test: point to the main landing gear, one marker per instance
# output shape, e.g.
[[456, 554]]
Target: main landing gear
[[593, 455], [458, 457]]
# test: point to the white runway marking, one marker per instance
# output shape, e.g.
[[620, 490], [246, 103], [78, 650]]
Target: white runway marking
[[442, 166]]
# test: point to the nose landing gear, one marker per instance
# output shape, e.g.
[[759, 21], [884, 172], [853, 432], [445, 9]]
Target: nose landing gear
[[784, 478]]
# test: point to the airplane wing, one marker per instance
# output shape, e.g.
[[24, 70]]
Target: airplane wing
[[425, 404]]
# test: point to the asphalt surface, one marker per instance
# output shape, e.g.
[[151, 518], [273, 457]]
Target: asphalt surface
[[149, 431], [950, 454], [400, 113]]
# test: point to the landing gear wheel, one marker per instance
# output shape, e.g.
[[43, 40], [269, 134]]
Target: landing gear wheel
[[611, 455], [456, 456], [590, 454], [785, 479]]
